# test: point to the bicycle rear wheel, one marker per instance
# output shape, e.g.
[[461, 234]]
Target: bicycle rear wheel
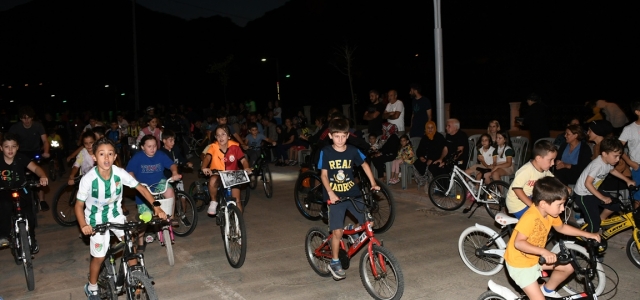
[[389, 284], [438, 193], [199, 195], [490, 295], [308, 195], [63, 205], [474, 238], [383, 208], [314, 239], [497, 190], [140, 287], [267, 182], [27, 264], [235, 241], [185, 211], [633, 250]]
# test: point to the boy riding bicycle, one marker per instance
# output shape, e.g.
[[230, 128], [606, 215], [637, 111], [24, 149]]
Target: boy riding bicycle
[[100, 190], [527, 243], [336, 163]]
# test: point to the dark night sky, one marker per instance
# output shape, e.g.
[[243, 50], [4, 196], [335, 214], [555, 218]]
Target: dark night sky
[[240, 11]]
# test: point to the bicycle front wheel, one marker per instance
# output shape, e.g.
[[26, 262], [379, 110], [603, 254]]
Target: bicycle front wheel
[[185, 211], [438, 188], [168, 245], [140, 287], [633, 251], [490, 295], [496, 190], [472, 239], [383, 208], [27, 264], [235, 239], [308, 195], [389, 282], [575, 284], [320, 264], [63, 205], [267, 182]]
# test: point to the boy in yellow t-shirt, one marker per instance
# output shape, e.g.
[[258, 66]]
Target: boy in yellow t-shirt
[[527, 243]]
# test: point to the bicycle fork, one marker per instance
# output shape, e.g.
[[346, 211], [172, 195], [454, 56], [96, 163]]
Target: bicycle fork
[[26, 249]]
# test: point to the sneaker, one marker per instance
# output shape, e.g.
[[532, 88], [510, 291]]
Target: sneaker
[[212, 208], [44, 206], [91, 294], [4, 242], [552, 294], [293, 163], [34, 247], [336, 270]]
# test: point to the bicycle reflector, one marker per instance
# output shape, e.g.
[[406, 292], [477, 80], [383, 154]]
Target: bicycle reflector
[[307, 181], [14, 194]]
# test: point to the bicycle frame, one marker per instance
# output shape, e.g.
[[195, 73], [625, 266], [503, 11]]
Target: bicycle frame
[[458, 173], [618, 223]]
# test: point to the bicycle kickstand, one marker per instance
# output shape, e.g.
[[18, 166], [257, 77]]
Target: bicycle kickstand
[[466, 210]]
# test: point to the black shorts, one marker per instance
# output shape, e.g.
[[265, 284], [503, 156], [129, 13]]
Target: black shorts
[[337, 212]]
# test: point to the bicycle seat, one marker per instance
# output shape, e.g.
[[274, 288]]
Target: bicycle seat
[[483, 170], [504, 219]]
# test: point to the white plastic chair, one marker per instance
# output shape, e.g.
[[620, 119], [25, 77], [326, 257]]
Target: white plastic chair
[[550, 139], [520, 145]]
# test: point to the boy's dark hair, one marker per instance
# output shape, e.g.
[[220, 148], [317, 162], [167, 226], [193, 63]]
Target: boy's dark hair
[[549, 189], [51, 131], [251, 125], [168, 133], [374, 92], [146, 138], [221, 114], [406, 137], [542, 148], [26, 111], [338, 125], [149, 118], [10, 137], [88, 133], [103, 141], [479, 142], [534, 97], [99, 130], [417, 87], [373, 135], [610, 144], [635, 105]]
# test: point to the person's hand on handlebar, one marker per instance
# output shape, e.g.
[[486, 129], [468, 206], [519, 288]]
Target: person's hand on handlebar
[[248, 170], [44, 181], [606, 200], [207, 171], [46, 155], [86, 229], [593, 236], [549, 256], [375, 187], [176, 177], [157, 210], [333, 198]]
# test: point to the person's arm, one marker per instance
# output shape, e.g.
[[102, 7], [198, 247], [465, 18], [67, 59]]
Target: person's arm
[[206, 168], [157, 210], [444, 153], [505, 164], [79, 210], [174, 172], [324, 176], [520, 243], [72, 175], [428, 114], [74, 154], [572, 231], [46, 146], [616, 173], [588, 183], [522, 196], [33, 167], [367, 170]]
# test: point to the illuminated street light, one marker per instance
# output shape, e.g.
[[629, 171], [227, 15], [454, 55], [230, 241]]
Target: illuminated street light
[[122, 94], [106, 85], [264, 59], [287, 76], [53, 96], [11, 101], [64, 101], [26, 84]]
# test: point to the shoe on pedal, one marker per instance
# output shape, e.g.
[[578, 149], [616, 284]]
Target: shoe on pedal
[[336, 270], [44, 206], [212, 208], [91, 294], [34, 247], [552, 294]]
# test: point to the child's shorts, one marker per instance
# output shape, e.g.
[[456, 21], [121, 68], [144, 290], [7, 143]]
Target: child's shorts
[[523, 277], [338, 211], [99, 242]]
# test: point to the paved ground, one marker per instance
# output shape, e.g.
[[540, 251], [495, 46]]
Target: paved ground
[[422, 238]]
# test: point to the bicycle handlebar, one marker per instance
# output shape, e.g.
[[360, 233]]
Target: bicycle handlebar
[[102, 228], [352, 199], [564, 257], [26, 184], [167, 183]]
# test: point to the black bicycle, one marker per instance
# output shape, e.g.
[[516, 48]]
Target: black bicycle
[[131, 279], [308, 198], [19, 240], [261, 170], [199, 192]]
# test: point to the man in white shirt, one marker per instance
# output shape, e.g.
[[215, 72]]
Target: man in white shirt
[[394, 112]]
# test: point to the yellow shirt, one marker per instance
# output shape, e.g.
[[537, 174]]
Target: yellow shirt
[[525, 178], [535, 228]]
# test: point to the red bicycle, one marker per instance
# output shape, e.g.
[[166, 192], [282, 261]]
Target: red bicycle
[[379, 270]]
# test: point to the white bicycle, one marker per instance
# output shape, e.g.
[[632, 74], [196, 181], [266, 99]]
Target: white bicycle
[[482, 250], [447, 191]]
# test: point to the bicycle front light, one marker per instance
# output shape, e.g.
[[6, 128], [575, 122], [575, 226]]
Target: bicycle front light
[[14, 194], [55, 144]]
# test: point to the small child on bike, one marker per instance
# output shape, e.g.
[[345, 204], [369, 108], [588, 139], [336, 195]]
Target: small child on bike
[[147, 166], [336, 163], [588, 198], [224, 154], [518, 197], [84, 160], [528, 240], [12, 168], [405, 155], [99, 201], [253, 141], [174, 153]]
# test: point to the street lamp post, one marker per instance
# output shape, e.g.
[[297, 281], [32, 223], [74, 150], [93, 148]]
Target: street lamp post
[[277, 76]]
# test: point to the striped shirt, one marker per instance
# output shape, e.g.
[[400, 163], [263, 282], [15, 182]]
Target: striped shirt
[[102, 197]]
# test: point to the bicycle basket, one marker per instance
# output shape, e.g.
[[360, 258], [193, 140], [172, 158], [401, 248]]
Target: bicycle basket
[[167, 205]]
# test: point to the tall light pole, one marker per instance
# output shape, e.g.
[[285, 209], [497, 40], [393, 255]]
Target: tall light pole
[[277, 76], [135, 58], [437, 36]]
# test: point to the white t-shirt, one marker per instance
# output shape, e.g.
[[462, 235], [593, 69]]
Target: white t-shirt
[[488, 155], [398, 106], [631, 135], [102, 198], [84, 161], [598, 170], [277, 112]]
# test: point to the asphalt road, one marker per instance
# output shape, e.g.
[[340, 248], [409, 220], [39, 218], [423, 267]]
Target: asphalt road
[[423, 239]]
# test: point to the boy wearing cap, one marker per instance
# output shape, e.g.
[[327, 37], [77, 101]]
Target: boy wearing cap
[[631, 134]]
